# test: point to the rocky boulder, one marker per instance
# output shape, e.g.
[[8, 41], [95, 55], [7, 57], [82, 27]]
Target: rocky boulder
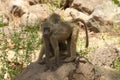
[[104, 17], [35, 14], [69, 12], [104, 56], [86, 6], [81, 70]]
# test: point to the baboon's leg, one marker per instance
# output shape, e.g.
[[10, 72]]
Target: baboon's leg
[[42, 52], [55, 46], [68, 47], [63, 48], [72, 43], [47, 50]]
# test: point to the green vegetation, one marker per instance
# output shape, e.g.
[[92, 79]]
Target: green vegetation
[[117, 65], [118, 79], [1, 22], [22, 44], [116, 2]]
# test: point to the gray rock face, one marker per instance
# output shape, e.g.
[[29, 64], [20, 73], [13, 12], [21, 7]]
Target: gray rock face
[[76, 14], [35, 15], [104, 56], [86, 5], [95, 23], [104, 16], [82, 70], [106, 10]]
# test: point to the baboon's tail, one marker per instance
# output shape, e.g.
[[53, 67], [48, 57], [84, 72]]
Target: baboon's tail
[[86, 30]]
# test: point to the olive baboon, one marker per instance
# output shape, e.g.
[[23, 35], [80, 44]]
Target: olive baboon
[[47, 27], [53, 34], [54, 31]]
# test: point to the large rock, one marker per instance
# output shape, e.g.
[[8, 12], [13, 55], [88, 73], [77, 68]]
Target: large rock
[[104, 16], [82, 69], [67, 71], [77, 14], [35, 14], [86, 5], [12, 9], [107, 10], [106, 73], [30, 14], [104, 56]]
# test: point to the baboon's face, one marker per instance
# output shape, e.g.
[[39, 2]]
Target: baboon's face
[[46, 29]]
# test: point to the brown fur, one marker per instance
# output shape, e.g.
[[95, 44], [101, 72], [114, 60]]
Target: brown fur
[[54, 31]]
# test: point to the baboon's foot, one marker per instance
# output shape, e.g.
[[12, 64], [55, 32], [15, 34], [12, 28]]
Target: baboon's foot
[[42, 61], [46, 68], [51, 67], [70, 59]]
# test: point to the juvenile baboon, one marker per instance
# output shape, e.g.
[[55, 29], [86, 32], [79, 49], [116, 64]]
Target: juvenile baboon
[[54, 31]]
